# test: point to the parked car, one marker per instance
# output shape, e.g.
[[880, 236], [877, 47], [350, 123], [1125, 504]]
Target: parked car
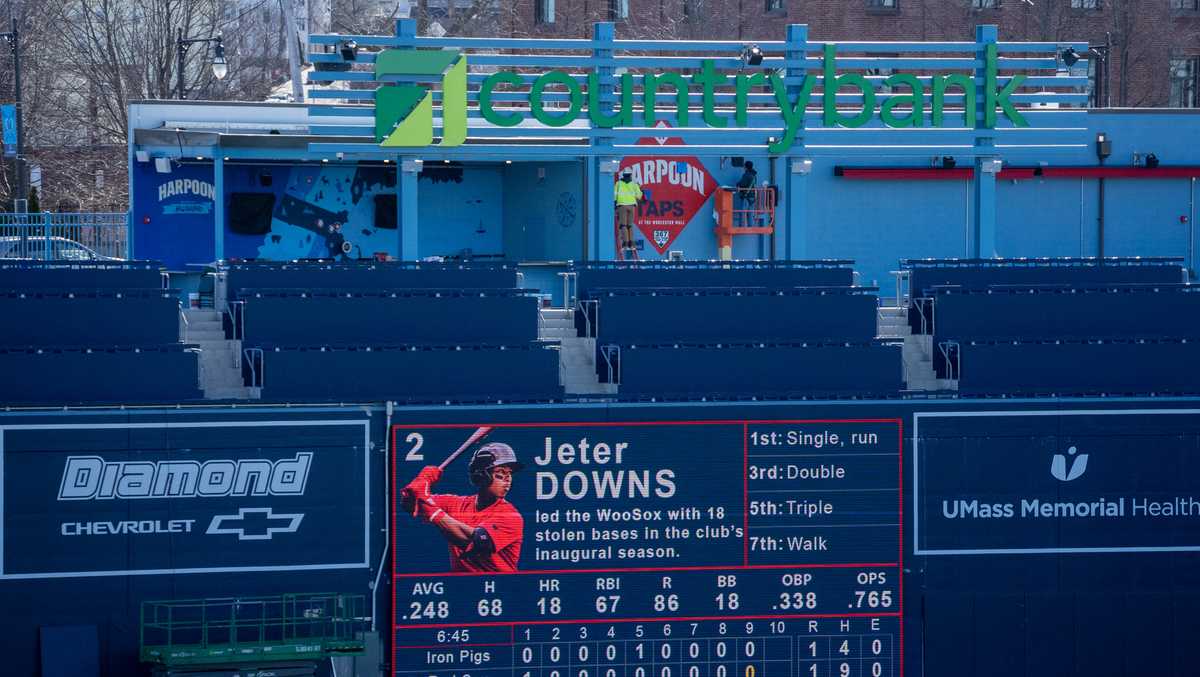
[[61, 249]]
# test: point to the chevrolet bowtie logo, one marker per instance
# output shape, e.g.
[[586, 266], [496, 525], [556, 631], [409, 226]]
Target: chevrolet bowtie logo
[[255, 524], [404, 111]]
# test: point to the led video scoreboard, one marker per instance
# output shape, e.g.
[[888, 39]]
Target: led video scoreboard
[[736, 548]]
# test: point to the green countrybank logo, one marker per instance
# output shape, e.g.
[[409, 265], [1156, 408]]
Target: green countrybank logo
[[404, 113]]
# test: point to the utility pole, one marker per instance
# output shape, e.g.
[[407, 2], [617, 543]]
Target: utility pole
[[293, 50], [14, 43]]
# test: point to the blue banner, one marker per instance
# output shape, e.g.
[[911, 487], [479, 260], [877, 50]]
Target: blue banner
[[8, 125], [120, 499], [1066, 482]]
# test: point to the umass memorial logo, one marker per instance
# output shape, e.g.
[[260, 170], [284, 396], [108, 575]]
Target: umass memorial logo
[[404, 111]]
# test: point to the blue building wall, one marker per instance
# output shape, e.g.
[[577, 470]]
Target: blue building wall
[[534, 210]]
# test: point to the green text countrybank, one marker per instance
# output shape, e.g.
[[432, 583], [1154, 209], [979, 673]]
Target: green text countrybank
[[905, 107]]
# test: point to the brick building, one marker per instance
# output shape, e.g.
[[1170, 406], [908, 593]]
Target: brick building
[[1154, 45]]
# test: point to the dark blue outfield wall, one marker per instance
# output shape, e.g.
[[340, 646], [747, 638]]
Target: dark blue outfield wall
[[1034, 537], [326, 469]]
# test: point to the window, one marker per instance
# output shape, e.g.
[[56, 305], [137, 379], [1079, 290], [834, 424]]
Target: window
[[777, 6], [1185, 5], [618, 10], [1085, 4], [882, 4], [543, 11], [1185, 73], [985, 4]]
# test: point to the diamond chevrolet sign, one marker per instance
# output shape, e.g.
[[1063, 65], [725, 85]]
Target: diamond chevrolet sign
[[404, 113]]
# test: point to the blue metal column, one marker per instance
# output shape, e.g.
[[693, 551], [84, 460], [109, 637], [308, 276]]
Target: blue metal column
[[602, 169], [218, 205], [406, 208], [791, 241], [983, 207]]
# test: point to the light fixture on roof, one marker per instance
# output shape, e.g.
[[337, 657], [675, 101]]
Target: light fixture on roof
[[752, 55], [1069, 57], [220, 67]]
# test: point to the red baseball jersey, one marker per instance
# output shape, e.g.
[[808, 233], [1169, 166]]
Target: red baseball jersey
[[502, 522]]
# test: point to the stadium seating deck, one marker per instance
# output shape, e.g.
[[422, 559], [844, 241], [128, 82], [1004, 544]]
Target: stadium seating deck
[[408, 373], [610, 274], [401, 316], [732, 314], [1067, 312], [867, 369], [1073, 367], [86, 317], [48, 275], [367, 276], [98, 374]]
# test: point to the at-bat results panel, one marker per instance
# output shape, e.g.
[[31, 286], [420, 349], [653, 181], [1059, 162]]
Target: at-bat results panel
[[662, 549]]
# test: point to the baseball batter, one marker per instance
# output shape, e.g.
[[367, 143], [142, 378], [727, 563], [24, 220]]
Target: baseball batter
[[484, 530]]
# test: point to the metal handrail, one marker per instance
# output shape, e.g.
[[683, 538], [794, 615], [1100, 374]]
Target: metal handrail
[[926, 322], [901, 294], [954, 365], [606, 352], [186, 324], [256, 378], [589, 331], [236, 312], [570, 281]]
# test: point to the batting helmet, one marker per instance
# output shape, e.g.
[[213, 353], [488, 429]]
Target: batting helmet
[[489, 456]]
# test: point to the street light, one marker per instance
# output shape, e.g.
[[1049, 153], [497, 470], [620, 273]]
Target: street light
[[220, 67], [13, 38]]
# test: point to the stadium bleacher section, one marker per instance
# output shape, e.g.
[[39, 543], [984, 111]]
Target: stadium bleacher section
[[417, 373], [760, 370], [1067, 327], [91, 333], [291, 316], [432, 332], [398, 331], [736, 330]]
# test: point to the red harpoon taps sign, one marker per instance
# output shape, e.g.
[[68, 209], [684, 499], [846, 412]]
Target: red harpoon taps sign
[[675, 188]]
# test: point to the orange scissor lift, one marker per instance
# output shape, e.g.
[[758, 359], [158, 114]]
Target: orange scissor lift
[[754, 216]]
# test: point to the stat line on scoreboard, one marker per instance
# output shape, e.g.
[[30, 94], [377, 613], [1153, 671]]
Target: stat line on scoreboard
[[900, 554], [456, 646], [647, 619], [636, 570]]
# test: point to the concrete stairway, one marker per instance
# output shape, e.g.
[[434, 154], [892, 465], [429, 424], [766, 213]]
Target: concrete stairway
[[917, 351], [220, 358], [577, 355]]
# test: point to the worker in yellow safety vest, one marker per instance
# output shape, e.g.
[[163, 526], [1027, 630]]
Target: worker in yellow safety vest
[[626, 194]]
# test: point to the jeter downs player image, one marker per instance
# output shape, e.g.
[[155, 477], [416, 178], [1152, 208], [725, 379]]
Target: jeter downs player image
[[484, 531]]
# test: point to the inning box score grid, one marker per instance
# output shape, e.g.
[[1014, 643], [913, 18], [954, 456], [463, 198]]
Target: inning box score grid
[[732, 548]]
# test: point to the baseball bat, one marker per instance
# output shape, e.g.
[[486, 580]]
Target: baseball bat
[[475, 437]]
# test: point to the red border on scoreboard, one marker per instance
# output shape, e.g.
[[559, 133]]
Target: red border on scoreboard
[[745, 423]]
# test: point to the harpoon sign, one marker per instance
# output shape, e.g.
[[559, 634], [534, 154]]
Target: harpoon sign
[[129, 498]]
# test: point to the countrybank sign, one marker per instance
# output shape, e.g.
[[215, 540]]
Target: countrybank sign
[[404, 113]]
